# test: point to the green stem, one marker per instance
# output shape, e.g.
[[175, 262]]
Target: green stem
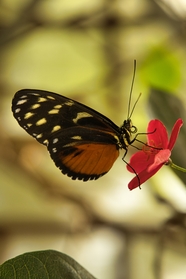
[[177, 167]]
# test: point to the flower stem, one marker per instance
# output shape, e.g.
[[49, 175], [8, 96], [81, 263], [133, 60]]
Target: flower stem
[[177, 167]]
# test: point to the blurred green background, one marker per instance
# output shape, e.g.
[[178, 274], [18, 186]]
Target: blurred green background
[[85, 50]]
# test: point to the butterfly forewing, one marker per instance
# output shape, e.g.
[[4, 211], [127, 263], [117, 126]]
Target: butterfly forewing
[[83, 143]]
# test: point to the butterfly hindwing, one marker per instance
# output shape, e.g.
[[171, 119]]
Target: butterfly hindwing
[[81, 157], [82, 142]]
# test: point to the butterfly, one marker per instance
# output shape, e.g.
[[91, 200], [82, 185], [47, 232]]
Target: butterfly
[[83, 143]]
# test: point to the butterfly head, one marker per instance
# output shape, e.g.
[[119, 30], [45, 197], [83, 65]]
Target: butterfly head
[[127, 129]]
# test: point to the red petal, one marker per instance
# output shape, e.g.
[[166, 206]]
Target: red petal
[[143, 176], [160, 158], [140, 161], [158, 136], [174, 133]]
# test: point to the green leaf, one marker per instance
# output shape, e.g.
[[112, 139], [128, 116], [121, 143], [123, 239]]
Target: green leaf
[[47, 264]]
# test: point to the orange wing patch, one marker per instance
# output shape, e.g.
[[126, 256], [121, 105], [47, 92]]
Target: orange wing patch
[[90, 159]]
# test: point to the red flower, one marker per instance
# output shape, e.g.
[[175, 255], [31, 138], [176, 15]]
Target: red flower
[[149, 160]]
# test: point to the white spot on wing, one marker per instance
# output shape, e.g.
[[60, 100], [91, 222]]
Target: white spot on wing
[[41, 121], [53, 111], [69, 144], [20, 102], [17, 110], [69, 103], [57, 106], [28, 115], [35, 106], [35, 94], [45, 142], [39, 136], [76, 137], [54, 150], [81, 115], [56, 128], [50, 97], [41, 99], [55, 140]]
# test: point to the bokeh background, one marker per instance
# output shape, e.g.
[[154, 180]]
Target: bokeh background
[[85, 50]]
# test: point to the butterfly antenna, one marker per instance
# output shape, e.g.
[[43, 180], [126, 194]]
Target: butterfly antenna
[[130, 95], [134, 105]]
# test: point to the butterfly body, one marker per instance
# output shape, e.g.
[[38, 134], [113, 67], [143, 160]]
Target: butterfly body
[[82, 142]]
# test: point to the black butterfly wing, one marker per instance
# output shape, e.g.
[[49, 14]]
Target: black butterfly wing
[[83, 143]]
